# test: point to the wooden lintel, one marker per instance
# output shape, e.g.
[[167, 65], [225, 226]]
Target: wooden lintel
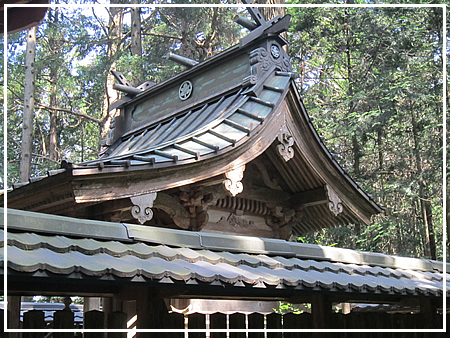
[[309, 198], [266, 195], [109, 207], [133, 292]]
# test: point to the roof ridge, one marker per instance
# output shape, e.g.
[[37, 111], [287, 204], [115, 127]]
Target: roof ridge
[[66, 226]]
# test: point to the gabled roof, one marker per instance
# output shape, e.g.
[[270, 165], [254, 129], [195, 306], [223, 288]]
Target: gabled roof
[[61, 248]]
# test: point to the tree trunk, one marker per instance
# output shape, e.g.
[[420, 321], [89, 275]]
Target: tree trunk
[[429, 229], [28, 107], [271, 12], [425, 204], [136, 43], [111, 95], [54, 67]]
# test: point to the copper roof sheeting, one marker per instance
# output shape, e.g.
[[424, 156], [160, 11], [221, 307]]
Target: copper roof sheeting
[[193, 258], [203, 130]]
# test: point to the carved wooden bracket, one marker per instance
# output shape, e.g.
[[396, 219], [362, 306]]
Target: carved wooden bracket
[[281, 220], [270, 183], [233, 182], [142, 207], [196, 203], [335, 203], [286, 142]]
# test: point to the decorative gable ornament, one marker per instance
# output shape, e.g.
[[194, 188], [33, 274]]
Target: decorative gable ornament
[[335, 203], [142, 207], [233, 182], [286, 142]]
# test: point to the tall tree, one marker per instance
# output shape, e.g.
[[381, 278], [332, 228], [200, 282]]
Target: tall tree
[[28, 107]]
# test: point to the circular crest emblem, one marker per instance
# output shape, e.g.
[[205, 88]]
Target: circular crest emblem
[[275, 50], [185, 90]]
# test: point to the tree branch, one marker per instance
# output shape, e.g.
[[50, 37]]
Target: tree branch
[[86, 116]]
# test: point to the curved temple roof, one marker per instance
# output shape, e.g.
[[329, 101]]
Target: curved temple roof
[[211, 119]]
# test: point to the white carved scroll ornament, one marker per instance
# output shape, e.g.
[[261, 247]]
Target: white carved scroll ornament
[[142, 207], [335, 203], [286, 142], [233, 182]]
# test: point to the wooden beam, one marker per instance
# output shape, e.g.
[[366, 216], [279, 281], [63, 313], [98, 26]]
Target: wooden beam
[[309, 198], [266, 195]]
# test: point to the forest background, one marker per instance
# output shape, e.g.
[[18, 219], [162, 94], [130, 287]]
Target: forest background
[[370, 77]]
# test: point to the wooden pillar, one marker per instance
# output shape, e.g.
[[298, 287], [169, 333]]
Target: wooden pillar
[[256, 321], [197, 321], [274, 323], [14, 315], [63, 319], [94, 319], [218, 321], [2, 334], [117, 320], [321, 311], [33, 319], [428, 313], [237, 321], [152, 313]]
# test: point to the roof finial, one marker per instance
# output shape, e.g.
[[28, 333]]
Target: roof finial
[[273, 26]]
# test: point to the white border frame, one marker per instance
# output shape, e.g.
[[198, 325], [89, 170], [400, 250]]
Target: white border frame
[[444, 171]]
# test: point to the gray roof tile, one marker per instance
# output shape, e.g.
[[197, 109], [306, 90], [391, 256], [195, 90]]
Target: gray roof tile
[[30, 252]]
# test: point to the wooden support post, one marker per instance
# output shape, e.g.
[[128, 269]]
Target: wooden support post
[[197, 321], [321, 311], [117, 320], [63, 319], [94, 319], [14, 315], [274, 323], [152, 313], [256, 321], [237, 321], [2, 334], [218, 321], [428, 313], [33, 319]]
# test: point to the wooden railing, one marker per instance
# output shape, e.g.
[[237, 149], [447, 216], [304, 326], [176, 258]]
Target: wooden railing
[[94, 319]]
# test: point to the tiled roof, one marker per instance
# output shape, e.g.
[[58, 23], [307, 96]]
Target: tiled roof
[[176, 256]]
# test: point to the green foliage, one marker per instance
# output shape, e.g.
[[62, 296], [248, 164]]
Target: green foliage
[[284, 308], [372, 80]]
